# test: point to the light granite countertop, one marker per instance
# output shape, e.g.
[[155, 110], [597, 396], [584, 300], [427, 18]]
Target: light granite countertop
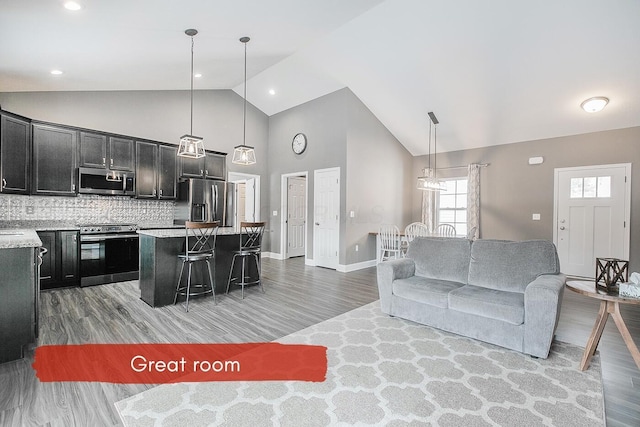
[[19, 238], [39, 225], [165, 233]]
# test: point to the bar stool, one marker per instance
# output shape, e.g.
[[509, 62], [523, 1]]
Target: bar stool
[[201, 249], [249, 248]]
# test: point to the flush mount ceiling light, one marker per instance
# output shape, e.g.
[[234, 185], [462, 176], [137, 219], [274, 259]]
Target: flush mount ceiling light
[[56, 72], [244, 154], [191, 146], [72, 5], [430, 182], [595, 104]]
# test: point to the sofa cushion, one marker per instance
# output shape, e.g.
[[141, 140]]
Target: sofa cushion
[[425, 290], [511, 266], [492, 303], [443, 258]]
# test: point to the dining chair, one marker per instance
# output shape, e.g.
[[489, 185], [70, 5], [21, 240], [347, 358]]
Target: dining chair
[[389, 236], [445, 230], [411, 231]]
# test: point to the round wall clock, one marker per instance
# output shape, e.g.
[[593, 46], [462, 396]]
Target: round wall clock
[[299, 143]]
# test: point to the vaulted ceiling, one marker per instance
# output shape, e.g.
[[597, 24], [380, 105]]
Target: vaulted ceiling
[[493, 72]]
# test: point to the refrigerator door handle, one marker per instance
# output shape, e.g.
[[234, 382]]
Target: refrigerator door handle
[[214, 192]]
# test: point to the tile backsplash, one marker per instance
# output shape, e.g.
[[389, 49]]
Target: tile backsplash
[[86, 209]]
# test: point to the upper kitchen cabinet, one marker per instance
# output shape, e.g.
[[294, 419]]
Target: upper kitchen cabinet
[[146, 169], [54, 160], [15, 156], [105, 151], [213, 165], [168, 168]]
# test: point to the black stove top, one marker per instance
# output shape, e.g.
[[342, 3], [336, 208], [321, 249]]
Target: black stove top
[[107, 228]]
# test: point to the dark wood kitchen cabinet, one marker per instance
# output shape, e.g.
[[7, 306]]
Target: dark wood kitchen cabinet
[[146, 169], [18, 297], [54, 160], [168, 168], [212, 166], [15, 153], [61, 264], [106, 151]]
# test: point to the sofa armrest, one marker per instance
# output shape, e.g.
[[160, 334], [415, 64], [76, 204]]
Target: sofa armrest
[[542, 301], [387, 272]]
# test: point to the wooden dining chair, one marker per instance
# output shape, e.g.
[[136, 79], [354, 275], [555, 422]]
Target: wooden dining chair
[[389, 236], [446, 230], [411, 231]]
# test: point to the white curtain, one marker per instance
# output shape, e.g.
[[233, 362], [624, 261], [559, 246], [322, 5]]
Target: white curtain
[[429, 207], [473, 201]]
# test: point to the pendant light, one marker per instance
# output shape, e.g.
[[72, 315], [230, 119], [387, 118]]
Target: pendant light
[[191, 146], [244, 154], [430, 182]]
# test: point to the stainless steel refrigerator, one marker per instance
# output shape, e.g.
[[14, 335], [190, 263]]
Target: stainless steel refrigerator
[[205, 200]]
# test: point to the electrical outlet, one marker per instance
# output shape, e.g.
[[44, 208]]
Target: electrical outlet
[[357, 248], [535, 217], [275, 213], [29, 210], [352, 214]]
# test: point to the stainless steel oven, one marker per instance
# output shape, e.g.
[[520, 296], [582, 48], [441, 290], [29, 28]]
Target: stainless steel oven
[[108, 253]]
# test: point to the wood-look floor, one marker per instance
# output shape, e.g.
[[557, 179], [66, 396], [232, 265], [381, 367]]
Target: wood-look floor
[[296, 296]]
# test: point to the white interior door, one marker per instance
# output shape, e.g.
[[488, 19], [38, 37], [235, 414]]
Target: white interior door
[[592, 216], [296, 215], [250, 200], [326, 229]]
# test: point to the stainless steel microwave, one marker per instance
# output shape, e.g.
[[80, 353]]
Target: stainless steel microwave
[[106, 181]]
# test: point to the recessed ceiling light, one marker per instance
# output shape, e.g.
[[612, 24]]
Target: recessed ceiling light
[[72, 5], [595, 104], [272, 91], [197, 75], [56, 72]]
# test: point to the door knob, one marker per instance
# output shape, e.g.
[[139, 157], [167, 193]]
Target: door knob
[[562, 227], [317, 223]]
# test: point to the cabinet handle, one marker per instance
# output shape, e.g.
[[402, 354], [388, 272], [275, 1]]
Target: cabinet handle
[[111, 162], [104, 161], [73, 187], [206, 172], [75, 238], [201, 171], [4, 183], [161, 191]]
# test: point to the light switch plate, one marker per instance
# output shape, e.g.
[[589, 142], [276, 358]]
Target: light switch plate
[[275, 213], [535, 217]]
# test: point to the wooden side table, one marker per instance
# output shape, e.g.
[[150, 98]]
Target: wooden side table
[[610, 304]]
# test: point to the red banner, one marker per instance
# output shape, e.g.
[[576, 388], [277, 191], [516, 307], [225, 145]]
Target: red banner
[[168, 363]]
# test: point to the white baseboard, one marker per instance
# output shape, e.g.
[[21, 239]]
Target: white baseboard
[[273, 255], [357, 266], [341, 267]]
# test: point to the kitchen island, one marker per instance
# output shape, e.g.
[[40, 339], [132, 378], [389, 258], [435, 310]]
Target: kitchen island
[[19, 255], [160, 265]]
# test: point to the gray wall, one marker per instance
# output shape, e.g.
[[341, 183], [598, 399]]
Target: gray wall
[[378, 185], [342, 132], [324, 122], [512, 190]]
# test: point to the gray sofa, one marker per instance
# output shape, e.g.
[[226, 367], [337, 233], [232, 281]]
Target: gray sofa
[[501, 292]]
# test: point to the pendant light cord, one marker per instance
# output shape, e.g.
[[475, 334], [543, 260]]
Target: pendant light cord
[[191, 85], [244, 112]]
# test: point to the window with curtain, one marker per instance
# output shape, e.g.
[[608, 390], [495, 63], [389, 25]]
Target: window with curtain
[[452, 204]]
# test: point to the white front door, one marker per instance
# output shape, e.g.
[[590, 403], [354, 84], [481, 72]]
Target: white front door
[[592, 216], [326, 213], [296, 215]]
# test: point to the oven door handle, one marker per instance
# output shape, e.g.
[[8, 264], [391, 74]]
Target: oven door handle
[[101, 237]]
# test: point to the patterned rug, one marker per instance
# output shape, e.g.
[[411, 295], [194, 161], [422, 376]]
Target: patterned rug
[[389, 371]]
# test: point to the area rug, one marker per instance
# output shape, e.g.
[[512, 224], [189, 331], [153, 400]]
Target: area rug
[[392, 372]]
